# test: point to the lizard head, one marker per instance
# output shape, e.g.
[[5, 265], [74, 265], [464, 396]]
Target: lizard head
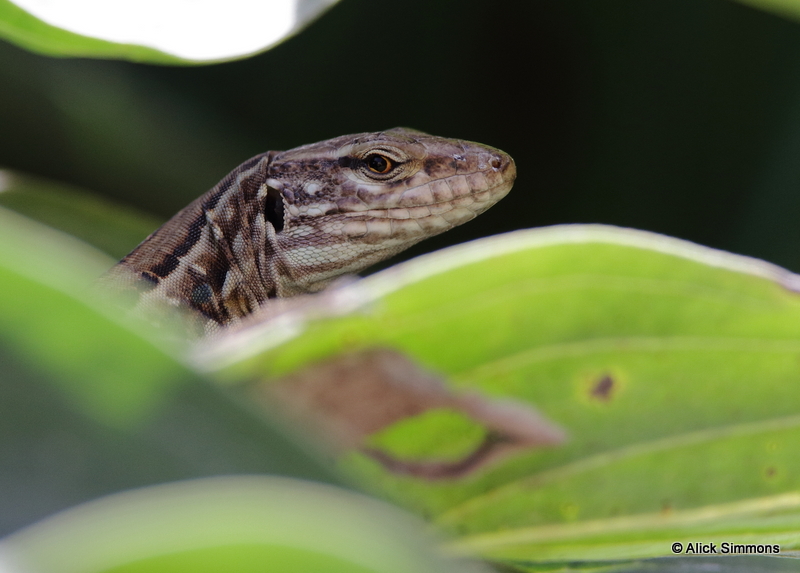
[[343, 204], [289, 222]]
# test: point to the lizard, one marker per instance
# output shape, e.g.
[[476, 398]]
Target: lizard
[[286, 223]]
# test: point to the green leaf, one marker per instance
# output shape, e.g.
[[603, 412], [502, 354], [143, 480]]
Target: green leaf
[[31, 33], [88, 407], [673, 368], [101, 223], [243, 524], [787, 8], [167, 32]]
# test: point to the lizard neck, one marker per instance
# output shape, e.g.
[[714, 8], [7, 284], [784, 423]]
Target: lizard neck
[[217, 256]]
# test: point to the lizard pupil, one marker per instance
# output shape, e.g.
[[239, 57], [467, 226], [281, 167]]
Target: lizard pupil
[[379, 164]]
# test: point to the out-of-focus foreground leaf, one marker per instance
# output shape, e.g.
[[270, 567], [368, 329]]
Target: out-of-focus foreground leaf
[[101, 223], [242, 524], [29, 32], [162, 32], [673, 367], [87, 407]]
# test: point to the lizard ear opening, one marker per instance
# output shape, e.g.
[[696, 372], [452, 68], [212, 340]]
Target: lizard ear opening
[[273, 208]]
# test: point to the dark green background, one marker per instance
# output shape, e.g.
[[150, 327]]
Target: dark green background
[[678, 116]]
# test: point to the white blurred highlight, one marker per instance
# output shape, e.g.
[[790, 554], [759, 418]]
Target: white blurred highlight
[[189, 29]]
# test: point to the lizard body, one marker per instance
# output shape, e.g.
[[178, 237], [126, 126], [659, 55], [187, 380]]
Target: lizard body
[[286, 223]]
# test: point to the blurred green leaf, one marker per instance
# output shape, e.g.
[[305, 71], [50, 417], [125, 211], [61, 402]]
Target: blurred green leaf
[[29, 32], [233, 524], [88, 407], [99, 222], [673, 368], [788, 8], [167, 32]]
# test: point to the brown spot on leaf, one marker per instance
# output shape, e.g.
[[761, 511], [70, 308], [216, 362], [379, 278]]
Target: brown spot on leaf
[[343, 400], [603, 387], [438, 469], [770, 472]]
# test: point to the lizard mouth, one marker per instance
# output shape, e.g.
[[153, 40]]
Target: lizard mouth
[[433, 207]]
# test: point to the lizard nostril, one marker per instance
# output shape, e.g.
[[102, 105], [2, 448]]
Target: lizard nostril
[[496, 162]]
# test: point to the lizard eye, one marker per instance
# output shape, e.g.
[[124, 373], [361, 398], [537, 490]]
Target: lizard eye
[[379, 163]]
